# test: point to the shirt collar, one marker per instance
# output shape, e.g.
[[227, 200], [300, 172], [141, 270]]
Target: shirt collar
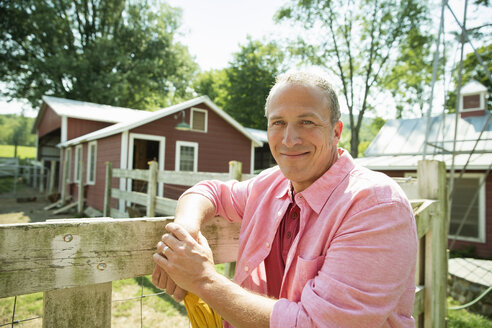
[[320, 191]]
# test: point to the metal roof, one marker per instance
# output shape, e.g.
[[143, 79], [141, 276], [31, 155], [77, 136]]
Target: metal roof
[[128, 125], [407, 136], [400, 143], [88, 111]]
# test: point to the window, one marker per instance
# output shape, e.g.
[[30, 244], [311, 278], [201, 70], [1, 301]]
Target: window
[[468, 196], [91, 162], [68, 163], [199, 119], [467, 188], [78, 158], [186, 156]]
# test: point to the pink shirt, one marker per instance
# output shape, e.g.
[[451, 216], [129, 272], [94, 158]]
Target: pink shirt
[[352, 263]]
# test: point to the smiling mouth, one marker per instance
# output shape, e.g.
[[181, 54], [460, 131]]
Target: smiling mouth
[[294, 155]]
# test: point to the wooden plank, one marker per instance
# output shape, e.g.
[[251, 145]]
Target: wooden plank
[[136, 174], [130, 196], [92, 212], [165, 205], [432, 185], [65, 208], [409, 186], [152, 189], [80, 201], [107, 189], [189, 178], [79, 307], [423, 216], [51, 255]]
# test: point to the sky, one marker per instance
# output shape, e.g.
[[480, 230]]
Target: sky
[[214, 29]]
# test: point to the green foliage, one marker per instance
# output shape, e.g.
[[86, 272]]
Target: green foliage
[[472, 70], [465, 319], [369, 130], [359, 42], [116, 52], [241, 89], [22, 151], [16, 129]]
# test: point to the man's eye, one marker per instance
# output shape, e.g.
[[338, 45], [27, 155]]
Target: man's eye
[[307, 122], [277, 123]]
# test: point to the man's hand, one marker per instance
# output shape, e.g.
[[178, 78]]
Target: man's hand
[[183, 260], [161, 280]]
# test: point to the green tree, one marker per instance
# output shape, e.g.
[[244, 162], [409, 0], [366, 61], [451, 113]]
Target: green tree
[[242, 87], [358, 41], [214, 84], [116, 52], [410, 78], [472, 70], [251, 74]]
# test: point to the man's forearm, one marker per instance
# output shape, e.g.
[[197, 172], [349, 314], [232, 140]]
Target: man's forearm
[[236, 305], [192, 211]]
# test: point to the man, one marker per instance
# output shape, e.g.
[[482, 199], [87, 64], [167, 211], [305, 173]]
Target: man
[[323, 242]]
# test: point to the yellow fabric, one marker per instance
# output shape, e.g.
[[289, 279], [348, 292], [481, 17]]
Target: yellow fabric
[[200, 314]]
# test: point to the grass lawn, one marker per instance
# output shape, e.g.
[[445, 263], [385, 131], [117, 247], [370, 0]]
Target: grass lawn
[[163, 311], [22, 151]]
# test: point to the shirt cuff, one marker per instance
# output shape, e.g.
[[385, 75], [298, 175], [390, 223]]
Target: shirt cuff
[[284, 314]]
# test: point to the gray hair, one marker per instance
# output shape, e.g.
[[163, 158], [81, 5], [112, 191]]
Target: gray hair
[[307, 79]]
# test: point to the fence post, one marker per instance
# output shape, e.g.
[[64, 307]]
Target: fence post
[[84, 306], [64, 180], [107, 190], [42, 180], [35, 177], [432, 185], [52, 177], [235, 173], [151, 189], [80, 204]]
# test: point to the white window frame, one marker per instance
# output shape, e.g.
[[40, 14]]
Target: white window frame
[[160, 160], [89, 162], [482, 102], [77, 159], [179, 144], [193, 110], [481, 207], [68, 160]]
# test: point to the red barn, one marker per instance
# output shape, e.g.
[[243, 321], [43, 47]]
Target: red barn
[[60, 120], [213, 139]]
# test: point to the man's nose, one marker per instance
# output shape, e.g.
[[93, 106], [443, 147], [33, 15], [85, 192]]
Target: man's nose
[[291, 136]]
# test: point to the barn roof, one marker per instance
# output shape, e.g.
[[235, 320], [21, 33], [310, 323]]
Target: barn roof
[[88, 111], [128, 125], [400, 143]]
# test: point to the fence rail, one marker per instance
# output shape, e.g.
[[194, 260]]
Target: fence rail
[[74, 261], [152, 176]]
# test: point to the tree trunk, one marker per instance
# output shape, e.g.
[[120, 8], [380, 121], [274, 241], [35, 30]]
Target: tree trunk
[[354, 143]]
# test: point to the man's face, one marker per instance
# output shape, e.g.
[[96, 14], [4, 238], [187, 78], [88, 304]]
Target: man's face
[[300, 134]]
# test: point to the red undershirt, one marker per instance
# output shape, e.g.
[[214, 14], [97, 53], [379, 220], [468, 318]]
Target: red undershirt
[[275, 261]]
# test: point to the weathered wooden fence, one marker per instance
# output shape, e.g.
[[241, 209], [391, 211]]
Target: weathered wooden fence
[[152, 176], [74, 261]]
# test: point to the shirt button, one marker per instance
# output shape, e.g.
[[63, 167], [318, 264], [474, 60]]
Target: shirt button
[[294, 216], [267, 244], [279, 213], [289, 235], [246, 269]]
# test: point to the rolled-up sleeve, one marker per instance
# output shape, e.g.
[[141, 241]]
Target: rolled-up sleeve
[[229, 198], [367, 277]]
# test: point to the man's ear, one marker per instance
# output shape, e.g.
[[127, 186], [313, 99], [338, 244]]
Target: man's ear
[[337, 132]]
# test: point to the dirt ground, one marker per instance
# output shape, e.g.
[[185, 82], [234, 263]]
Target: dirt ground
[[28, 206]]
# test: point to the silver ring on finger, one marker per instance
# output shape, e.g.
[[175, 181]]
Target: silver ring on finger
[[164, 250]]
